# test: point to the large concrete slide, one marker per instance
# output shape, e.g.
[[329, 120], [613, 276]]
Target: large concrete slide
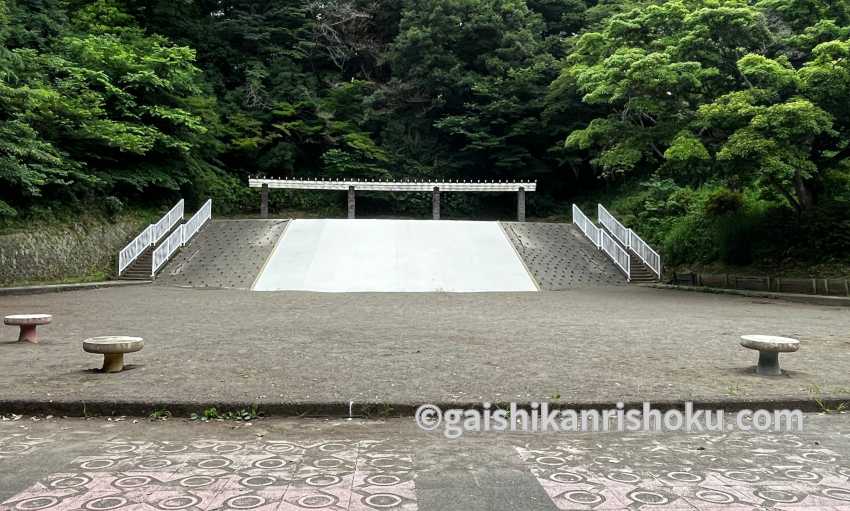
[[389, 256], [394, 256]]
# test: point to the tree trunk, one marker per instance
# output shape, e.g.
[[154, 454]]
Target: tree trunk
[[805, 196]]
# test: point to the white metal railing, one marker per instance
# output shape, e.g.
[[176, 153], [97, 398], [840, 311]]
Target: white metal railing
[[149, 236], [194, 224], [166, 249], [129, 253], [618, 230], [168, 221], [617, 253], [645, 252], [630, 240], [180, 237], [586, 226]]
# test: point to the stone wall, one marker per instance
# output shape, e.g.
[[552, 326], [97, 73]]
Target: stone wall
[[46, 254]]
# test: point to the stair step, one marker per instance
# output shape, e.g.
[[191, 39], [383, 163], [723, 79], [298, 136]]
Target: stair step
[[140, 268]]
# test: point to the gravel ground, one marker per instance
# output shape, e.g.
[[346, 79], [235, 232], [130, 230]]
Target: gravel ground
[[600, 344]]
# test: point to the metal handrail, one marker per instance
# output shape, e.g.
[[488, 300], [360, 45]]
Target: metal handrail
[[586, 226], [149, 236], [194, 224], [166, 249], [133, 249], [645, 252], [168, 221], [180, 237], [617, 253], [618, 230], [630, 239]]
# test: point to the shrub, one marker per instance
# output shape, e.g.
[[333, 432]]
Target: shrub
[[113, 206], [723, 201]]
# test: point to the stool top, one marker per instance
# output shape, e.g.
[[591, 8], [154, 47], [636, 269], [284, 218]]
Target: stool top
[[110, 344], [770, 343], [28, 319]]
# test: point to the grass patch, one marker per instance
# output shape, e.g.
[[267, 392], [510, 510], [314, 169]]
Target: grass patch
[[212, 414], [99, 276]]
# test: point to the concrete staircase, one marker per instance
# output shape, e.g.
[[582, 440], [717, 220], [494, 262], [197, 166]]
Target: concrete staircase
[[640, 272], [141, 267]]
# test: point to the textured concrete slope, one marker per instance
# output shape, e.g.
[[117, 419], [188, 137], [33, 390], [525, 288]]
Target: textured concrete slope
[[560, 257], [225, 254]]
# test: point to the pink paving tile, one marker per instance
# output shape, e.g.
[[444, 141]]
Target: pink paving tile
[[329, 498], [312, 467], [384, 463], [18, 444], [650, 497], [119, 446], [705, 497], [396, 500], [383, 480], [280, 466], [268, 499], [176, 498], [322, 480], [210, 475], [581, 496]]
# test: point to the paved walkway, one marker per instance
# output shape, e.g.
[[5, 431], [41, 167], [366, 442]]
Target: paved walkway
[[356, 465], [580, 346]]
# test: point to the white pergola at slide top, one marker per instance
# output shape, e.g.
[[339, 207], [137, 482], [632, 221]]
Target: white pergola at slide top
[[395, 186]]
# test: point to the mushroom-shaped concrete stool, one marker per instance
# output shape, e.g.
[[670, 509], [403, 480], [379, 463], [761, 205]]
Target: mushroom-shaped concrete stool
[[769, 348], [113, 348], [28, 323]]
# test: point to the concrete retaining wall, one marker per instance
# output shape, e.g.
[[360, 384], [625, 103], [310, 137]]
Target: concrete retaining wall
[[59, 253]]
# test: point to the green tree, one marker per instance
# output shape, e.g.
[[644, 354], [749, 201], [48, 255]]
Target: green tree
[[102, 108], [478, 72]]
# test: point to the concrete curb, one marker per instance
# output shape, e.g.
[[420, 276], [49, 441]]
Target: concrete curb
[[335, 409], [58, 288], [835, 301]]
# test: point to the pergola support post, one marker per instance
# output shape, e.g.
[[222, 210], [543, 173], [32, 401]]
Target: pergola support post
[[351, 202], [435, 203], [520, 204], [264, 201]]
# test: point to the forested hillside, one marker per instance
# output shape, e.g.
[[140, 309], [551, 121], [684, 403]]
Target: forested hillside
[[717, 128]]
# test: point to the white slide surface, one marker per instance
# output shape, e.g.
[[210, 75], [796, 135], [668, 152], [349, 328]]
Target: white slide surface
[[394, 256]]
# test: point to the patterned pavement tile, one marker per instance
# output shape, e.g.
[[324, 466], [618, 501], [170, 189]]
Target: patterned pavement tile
[[754, 472], [211, 475], [21, 444]]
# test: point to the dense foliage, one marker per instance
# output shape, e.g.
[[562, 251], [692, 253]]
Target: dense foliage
[[721, 125]]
